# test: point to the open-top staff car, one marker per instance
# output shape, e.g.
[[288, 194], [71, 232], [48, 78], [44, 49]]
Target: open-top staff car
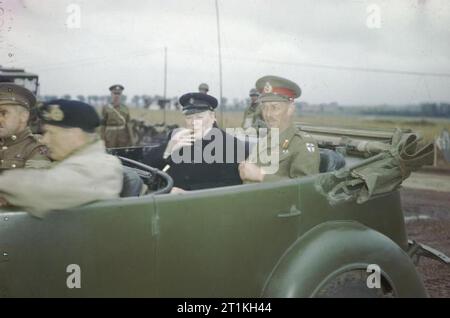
[[322, 235]]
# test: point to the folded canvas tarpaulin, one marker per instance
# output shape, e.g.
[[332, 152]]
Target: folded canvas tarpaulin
[[379, 174]]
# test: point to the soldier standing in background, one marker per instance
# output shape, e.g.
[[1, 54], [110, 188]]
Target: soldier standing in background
[[19, 148], [115, 123], [253, 114]]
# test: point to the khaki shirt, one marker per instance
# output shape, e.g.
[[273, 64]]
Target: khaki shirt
[[115, 117], [297, 151], [22, 151], [253, 117], [87, 175]]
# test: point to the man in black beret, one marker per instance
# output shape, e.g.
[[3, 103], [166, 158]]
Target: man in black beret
[[201, 155], [82, 171], [115, 122]]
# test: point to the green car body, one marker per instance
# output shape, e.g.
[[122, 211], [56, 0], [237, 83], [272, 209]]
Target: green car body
[[281, 239]]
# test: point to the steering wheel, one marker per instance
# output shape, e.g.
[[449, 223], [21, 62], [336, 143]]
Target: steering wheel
[[157, 181]]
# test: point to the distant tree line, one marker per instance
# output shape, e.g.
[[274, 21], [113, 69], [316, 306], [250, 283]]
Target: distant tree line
[[424, 109], [139, 101], [236, 104], [420, 110]]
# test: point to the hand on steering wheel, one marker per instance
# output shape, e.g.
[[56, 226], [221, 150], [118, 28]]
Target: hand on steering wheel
[[157, 178]]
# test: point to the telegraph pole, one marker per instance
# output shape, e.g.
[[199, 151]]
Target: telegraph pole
[[220, 63], [165, 83]]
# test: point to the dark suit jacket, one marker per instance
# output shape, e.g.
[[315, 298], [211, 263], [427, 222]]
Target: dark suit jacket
[[202, 175]]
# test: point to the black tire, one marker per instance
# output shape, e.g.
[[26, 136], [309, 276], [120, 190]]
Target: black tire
[[353, 284]]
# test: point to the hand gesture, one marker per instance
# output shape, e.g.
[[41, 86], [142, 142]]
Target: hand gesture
[[181, 138]]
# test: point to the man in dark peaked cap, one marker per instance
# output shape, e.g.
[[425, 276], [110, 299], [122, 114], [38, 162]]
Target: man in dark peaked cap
[[82, 172], [201, 155]]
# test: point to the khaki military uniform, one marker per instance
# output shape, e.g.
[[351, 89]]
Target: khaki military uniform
[[253, 117], [298, 155], [22, 151], [116, 126]]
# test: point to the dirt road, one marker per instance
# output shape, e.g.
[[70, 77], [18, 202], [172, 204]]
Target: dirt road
[[427, 216]]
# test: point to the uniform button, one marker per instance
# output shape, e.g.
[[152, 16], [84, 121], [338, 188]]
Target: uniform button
[[13, 137], [4, 148], [13, 165]]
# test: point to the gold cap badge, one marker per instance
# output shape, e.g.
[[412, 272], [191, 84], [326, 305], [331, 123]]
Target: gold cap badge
[[268, 88], [54, 113]]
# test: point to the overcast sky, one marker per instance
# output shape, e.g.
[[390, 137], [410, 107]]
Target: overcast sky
[[320, 44]]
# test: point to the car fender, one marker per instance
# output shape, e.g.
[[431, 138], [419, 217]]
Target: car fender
[[338, 246]]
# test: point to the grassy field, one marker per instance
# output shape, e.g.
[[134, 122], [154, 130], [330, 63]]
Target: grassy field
[[428, 127]]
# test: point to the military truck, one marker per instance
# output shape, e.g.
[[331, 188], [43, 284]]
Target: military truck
[[326, 235], [20, 77], [28, 80]]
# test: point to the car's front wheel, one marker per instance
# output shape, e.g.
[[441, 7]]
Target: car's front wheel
[[353, 284]]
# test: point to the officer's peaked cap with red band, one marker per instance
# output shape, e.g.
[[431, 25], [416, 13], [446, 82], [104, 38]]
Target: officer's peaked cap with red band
[[277, 89]]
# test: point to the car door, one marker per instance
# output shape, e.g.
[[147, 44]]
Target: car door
[[223, 242], [103, 250]]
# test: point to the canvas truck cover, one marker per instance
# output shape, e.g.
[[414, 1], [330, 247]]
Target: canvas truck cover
[[379, 174]]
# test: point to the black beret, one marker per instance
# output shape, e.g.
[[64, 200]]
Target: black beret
[[69, 114], [197, 103]]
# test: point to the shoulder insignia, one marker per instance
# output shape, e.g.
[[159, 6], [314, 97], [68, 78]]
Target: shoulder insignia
[[311, 147]]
